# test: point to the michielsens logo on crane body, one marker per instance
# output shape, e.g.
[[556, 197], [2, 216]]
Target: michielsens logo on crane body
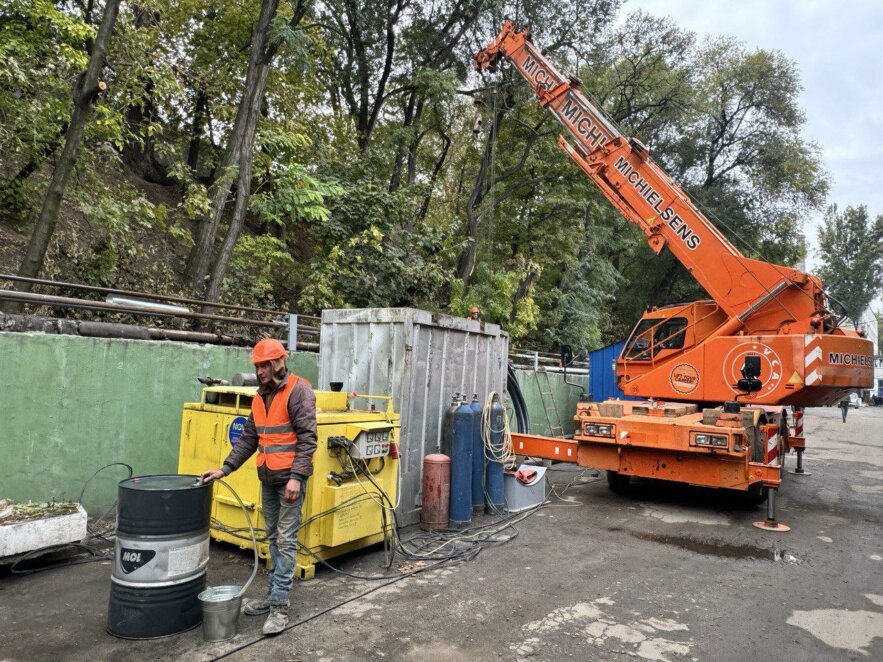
[[859, 360], [579, 118], [683, 231]]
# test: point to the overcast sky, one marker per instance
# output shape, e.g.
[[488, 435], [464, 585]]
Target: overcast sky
[[837, 47]]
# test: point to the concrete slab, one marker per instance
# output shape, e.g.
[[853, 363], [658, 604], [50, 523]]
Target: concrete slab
[[667, 573]]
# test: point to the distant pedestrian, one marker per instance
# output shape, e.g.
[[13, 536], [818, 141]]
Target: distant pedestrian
[[844, 407], [473, 314]]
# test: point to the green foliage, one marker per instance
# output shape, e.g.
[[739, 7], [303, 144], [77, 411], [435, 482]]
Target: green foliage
[[493, 295], [259, 264], [296, 196], [367, 255], [367, 171], [41, 48], [851, 250]]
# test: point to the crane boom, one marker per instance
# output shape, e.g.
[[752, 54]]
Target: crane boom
[[644, 194]]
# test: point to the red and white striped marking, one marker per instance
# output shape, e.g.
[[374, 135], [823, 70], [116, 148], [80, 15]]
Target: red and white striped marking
[[813, 361], [772, 445], [798, 422]]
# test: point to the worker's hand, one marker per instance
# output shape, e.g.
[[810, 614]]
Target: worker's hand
[[292, 490], [211, 475]]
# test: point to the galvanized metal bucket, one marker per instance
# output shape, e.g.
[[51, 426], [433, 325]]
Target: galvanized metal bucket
[[220, 612], [221, 604]]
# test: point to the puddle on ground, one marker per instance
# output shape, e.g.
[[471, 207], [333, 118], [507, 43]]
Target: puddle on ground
[[716, 548]]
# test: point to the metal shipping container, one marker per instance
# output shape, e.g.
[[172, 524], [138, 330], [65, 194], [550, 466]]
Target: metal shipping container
[[420, 359], [602, 373]]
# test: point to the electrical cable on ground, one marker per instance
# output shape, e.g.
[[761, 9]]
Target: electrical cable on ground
[[427, 545]]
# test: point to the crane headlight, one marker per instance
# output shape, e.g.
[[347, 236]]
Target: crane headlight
[[713, 440]]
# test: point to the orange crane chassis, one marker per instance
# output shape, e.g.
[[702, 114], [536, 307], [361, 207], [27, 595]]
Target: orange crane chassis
[[663, 441]]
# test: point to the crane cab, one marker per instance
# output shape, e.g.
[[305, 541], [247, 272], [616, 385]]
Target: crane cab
[[666, 332]]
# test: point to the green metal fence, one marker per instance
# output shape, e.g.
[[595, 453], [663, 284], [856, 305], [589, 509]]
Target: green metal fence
[[564, 395]]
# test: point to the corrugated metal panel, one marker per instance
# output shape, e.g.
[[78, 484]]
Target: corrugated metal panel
[[602, 373], [421, 359]]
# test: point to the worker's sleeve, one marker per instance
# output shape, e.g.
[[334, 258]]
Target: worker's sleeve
[[302, 412], [244, 448]]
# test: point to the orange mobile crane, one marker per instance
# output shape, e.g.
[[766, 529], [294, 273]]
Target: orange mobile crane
[[765, 340]]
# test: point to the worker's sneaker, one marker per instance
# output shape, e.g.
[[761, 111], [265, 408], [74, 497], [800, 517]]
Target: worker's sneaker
[[276, 621], [256, 607]]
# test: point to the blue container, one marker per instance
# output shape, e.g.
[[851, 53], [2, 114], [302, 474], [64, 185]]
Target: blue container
[[477, 457], [461, 467], [602, 373], [495, 501]]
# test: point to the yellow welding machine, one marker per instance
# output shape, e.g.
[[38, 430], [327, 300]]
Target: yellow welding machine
[[355, 472]]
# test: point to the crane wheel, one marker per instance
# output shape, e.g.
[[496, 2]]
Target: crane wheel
[[619, 483]]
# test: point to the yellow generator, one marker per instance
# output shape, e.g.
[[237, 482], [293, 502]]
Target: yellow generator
[[343, 508]]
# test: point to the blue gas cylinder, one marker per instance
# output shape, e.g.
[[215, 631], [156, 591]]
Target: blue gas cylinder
[[495, 501], [477, 457], [461, 467], [448, 426]]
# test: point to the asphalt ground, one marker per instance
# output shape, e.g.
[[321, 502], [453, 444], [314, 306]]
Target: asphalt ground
[[668, 572]]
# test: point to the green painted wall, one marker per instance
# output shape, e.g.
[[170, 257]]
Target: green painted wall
[[565, 396], [72, 404]]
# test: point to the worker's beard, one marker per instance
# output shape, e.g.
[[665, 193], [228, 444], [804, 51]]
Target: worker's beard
[[279, 374]]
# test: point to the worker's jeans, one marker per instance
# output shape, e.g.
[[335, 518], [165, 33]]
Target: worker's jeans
[[282, 520]]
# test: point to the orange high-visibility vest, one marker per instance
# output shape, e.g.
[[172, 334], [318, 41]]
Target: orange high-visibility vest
[[276, 437]]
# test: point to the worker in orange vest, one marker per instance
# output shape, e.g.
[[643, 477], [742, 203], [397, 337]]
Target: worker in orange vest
[[473, 314], [282, 430]]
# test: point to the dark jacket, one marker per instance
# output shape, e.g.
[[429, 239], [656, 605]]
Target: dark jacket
[[302, 412]]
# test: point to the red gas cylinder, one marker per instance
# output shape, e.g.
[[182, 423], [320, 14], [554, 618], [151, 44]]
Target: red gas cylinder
[[436, 492]]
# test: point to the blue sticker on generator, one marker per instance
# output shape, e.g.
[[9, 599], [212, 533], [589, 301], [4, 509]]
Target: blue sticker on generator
[[237, 427]]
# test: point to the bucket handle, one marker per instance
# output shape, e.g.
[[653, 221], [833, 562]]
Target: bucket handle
[[254, 542]]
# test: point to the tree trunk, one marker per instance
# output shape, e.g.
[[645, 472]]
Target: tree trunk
[[200, 257], [424, 208], [399, 162], [11, 188], [243, 188], [200, 107], [467, 257], [524, 287], [415, 143], [87, 92], [138, 152]]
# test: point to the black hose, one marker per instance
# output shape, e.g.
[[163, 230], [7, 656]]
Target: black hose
[[519, 406]]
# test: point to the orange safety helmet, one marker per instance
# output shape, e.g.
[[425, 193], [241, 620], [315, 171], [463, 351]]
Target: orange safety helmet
[[267, 350]]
